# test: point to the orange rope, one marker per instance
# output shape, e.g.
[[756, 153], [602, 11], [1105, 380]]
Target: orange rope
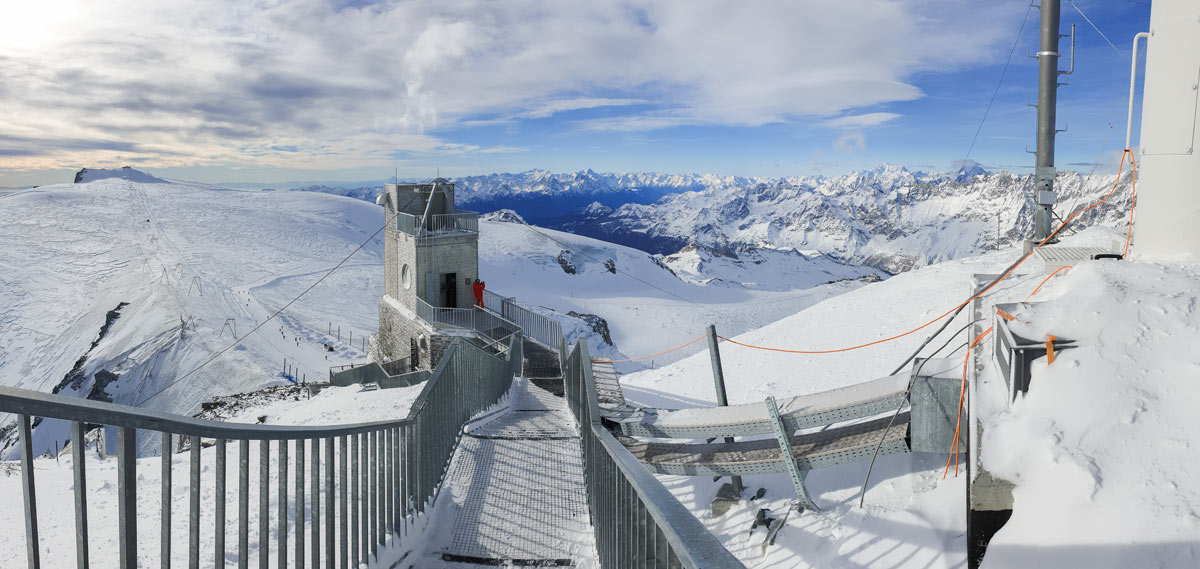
[[1120, 169], [1132, 197], [961, 395], [651, 355], [1044, 281], [1050, 348]]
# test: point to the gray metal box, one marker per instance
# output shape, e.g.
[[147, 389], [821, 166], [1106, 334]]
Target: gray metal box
[[935, 394]]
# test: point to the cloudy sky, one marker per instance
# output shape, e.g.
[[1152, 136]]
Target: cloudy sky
[[272, 91]]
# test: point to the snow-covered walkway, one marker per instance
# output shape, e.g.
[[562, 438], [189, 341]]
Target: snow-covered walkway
[[518, 489]]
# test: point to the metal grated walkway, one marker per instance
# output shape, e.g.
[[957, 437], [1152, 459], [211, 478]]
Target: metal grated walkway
[[518, 489]]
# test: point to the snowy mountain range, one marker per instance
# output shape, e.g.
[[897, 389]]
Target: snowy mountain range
[[889, 217]]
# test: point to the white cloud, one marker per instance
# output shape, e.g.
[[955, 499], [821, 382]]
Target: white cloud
[[859, 121], [222, 82], [850, 142]]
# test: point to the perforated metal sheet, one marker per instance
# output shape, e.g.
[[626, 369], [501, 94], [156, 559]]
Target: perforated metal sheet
[[840, 445], [608, 385], [805, 411], [518, 487], [1056, 254]]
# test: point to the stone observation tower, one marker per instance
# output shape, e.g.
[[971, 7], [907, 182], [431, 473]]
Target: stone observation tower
[[431, 257]]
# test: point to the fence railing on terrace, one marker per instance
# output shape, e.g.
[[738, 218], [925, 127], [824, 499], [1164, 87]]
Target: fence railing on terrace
[[543, 329], [485, 322], [637, 522], [453, 317], [365, 481], [436, 225]]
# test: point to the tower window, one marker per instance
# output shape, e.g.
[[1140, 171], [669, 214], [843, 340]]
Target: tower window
[[406, 277]]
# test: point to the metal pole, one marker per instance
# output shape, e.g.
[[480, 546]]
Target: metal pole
[[315, 505], [77, 465], [244, 504], [282, 519], [299, 561], [343, 503], [219, 511], [264, 504], [194, 502], [33, 548], [1046, 121], [127, 496], [714, 354], [330, 502]]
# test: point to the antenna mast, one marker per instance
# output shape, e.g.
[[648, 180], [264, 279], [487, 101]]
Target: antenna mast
[[1047, 105]]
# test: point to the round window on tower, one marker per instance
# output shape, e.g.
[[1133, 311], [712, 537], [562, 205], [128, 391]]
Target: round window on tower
[[405, 277]]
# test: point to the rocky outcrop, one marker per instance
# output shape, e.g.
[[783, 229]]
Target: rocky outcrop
[[567, 266], [596, 323]]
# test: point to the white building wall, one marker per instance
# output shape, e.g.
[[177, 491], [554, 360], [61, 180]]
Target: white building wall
[[1167, 217]]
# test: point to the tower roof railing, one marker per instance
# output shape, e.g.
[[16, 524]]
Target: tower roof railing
[[439, 225]]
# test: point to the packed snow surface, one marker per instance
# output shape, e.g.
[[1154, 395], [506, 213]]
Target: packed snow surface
[[1100, 449], [199, 266], [1103, 447]]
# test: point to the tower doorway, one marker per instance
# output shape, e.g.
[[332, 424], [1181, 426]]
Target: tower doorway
[[448, 291]]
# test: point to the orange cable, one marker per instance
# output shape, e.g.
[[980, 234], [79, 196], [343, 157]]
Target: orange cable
[[1132, 197], [1044, 281], [961, 395], [1050, 338], [651, 355]]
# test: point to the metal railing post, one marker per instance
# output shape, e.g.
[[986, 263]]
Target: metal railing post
[[281, 523], [219, 510], [264, 504], [244, 504], [372, 481], [389, 521], [363, 527], [299, 563], [25, 440], [164, 538], [194, 503], [381, 484], [394, 495], [354, 501], [315, 502], [330, 500], [78, 451], [127, 495], [343, 502]]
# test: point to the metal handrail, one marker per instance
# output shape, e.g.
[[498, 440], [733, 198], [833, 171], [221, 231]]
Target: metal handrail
[[637, 521], [462, 222], [382, 474], [538, 327], [456, 317], [484, 321]]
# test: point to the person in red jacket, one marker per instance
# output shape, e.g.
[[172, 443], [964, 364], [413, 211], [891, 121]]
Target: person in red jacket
[[477, 287]]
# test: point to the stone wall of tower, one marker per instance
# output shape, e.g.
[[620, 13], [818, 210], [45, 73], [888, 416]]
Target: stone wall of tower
[[399, 331]]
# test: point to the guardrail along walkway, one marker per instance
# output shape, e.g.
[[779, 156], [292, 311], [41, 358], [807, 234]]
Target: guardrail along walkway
[[518, 491], [831, 445]]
